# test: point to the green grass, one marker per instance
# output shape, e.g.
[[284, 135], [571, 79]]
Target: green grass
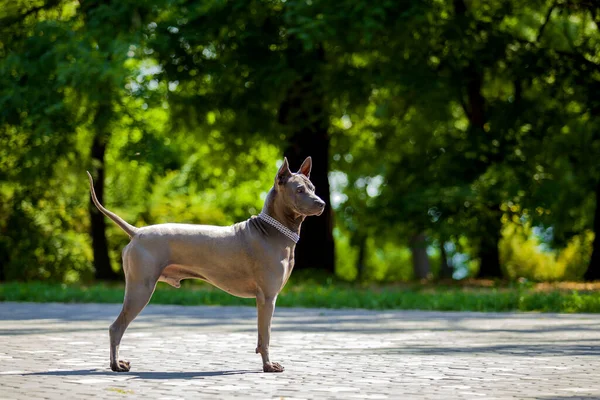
[[332, 295]]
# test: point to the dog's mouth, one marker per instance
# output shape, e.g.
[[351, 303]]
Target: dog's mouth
[[318, 211], [312, 212]]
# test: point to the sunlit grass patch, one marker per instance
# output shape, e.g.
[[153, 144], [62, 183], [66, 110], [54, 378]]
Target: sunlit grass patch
[[441, 297]]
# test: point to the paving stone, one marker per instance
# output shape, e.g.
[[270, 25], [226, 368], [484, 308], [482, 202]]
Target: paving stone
[[59, 351]]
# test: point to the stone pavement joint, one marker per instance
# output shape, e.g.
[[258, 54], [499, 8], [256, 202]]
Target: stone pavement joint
[[59, 351]]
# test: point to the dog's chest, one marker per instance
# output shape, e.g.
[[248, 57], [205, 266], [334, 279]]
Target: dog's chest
[[288, 265]]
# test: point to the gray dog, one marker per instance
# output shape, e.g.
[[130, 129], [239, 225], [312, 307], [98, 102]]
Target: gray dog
[[253, 258]]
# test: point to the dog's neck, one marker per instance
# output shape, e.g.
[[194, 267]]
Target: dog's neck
[[276, 208]]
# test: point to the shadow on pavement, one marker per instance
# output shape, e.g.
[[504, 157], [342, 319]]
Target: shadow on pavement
[[532, 350], [567, 397], [142, 374]]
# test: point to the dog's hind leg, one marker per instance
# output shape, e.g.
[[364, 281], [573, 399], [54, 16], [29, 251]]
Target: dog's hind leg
[[138, 291]]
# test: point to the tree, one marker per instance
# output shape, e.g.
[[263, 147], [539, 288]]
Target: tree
[[446, 119], [459, 108], [77, 84], [242, 64], [108, 75], [36, 122], [563, 127], [304, 115]]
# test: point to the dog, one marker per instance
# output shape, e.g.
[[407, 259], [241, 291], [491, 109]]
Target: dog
[[251, 259]]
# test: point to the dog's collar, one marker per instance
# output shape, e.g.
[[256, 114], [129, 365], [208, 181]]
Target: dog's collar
[[294, 237]]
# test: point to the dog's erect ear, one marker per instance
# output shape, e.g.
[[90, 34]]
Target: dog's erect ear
[[284, 172], [306, 167]]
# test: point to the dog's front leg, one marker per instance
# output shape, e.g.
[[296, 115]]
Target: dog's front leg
[[265, 307]]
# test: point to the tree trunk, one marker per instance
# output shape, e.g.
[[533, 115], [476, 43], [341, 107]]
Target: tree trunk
[[475, 108], [7, 212], [489, 237], [304, 116], [101, 125], [446, 271], [3, 261], [360, 262], [593, 271], [489, 257], [315, 249], [418, 248], [103, 269]]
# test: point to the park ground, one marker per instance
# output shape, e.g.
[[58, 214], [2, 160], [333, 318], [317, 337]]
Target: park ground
[[58, 351]]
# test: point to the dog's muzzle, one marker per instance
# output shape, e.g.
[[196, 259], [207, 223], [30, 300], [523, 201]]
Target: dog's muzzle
[[321, 204]]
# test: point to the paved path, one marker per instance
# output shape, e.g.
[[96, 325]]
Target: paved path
[[56, 351]]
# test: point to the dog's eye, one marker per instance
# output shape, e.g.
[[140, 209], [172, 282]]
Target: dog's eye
[[300, 190]]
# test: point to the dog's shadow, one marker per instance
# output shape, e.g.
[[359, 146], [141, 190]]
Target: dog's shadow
[[141, 374]]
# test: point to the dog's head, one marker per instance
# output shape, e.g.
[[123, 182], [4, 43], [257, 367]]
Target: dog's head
[[298, 192]]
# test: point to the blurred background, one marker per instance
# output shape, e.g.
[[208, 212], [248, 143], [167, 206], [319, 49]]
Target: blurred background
[[450, 138]]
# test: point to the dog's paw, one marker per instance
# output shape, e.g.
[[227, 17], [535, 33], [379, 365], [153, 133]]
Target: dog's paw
[[121, 366], [273, 367]]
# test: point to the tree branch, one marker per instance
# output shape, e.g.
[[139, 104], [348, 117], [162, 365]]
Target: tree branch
[[572, 55], [8, 21], [546, 20]]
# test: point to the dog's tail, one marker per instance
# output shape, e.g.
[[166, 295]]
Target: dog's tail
[[129, 229]]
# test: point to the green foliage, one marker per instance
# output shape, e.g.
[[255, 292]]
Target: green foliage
[[524, 256], [345, 258], [388, 263], [330, 295], [384, 262], [57, 255], [443, 117], [475, 114]]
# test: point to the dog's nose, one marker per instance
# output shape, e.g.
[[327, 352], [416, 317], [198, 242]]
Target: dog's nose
[[320, 203]]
